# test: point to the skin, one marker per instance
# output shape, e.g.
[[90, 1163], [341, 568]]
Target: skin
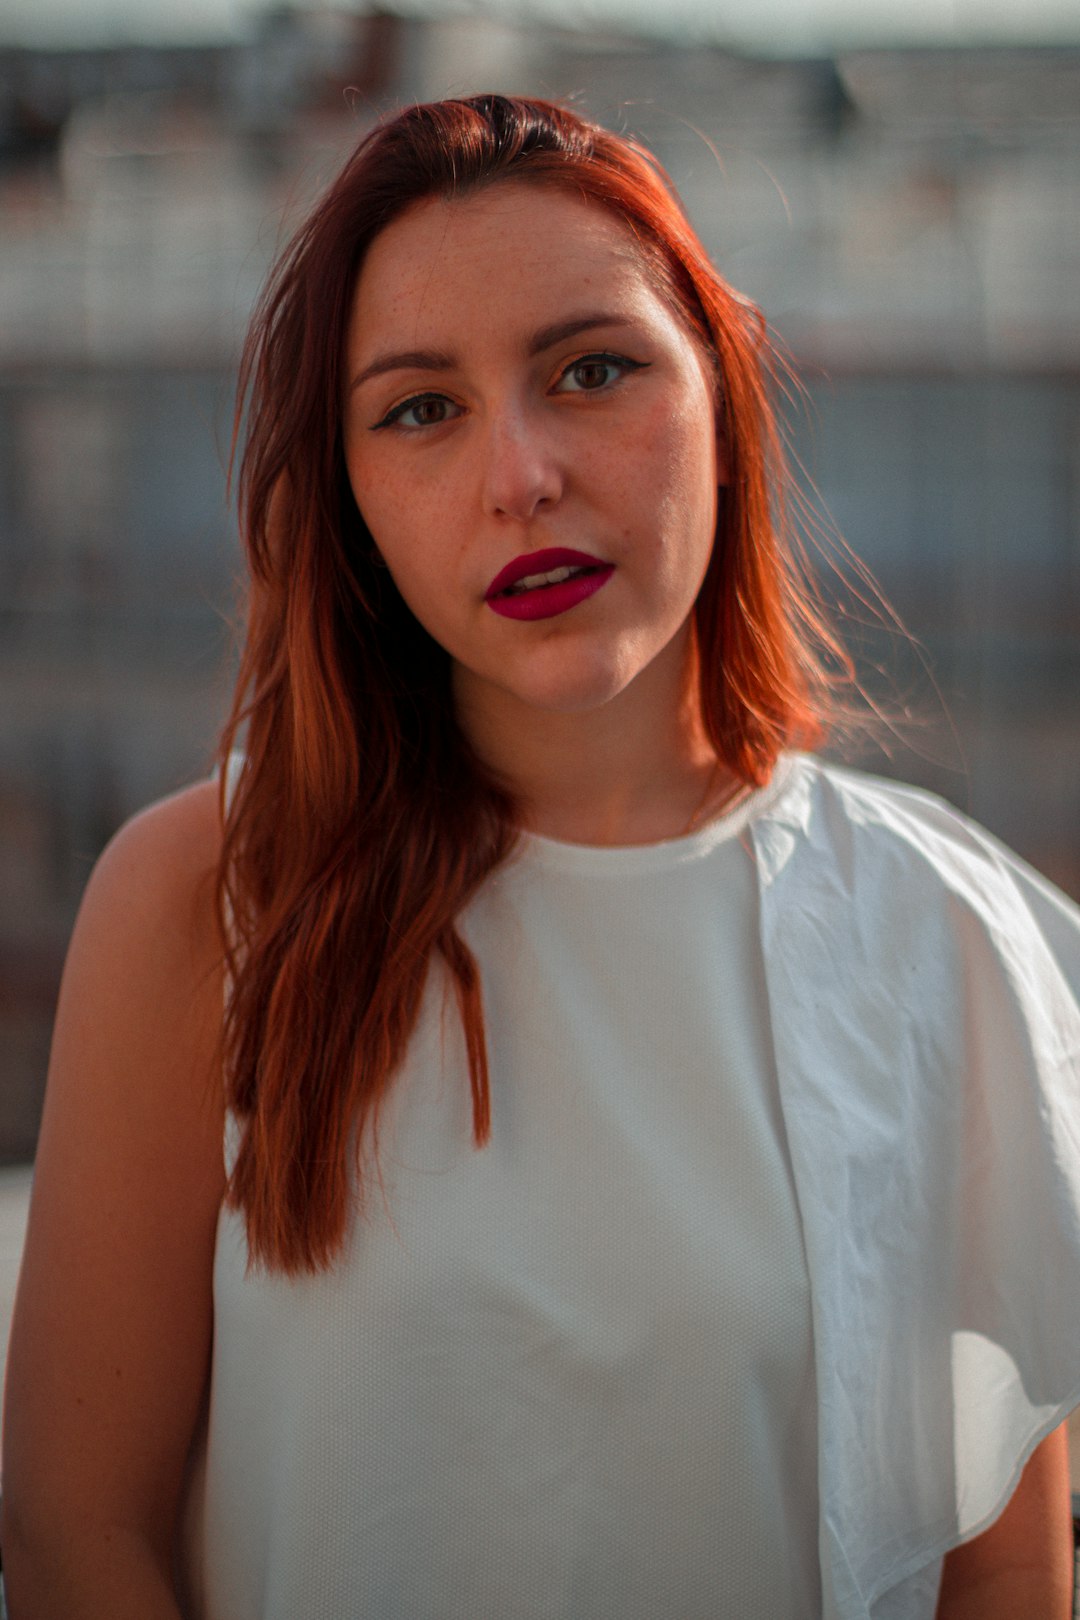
[[1022, 1567], [603, 441], [110, 1343], [592, 717]]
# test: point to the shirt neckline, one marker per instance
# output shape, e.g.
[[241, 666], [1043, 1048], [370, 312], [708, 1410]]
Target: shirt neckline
[[553, 854]]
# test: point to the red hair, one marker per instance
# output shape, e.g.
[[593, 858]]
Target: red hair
[[346, 860]]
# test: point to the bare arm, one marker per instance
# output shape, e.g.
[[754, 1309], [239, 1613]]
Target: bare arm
[[112, 1328], [1022, 1567]]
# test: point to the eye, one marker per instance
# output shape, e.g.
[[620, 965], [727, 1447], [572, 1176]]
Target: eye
[[421, 411], [593, 372]]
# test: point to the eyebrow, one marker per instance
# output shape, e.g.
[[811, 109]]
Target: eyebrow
[[438, 360], [559, 331]]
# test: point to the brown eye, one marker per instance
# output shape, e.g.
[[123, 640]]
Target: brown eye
[[595, 372], [592, 373], [422, 411], [428, 411]]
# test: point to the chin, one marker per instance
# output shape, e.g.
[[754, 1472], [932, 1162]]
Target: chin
[[566, 695]]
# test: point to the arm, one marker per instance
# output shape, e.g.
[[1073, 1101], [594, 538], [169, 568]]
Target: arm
[[111, 1336], [1022, 1566]]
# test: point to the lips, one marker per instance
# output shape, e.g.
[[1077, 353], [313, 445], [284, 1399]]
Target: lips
[[579, 575]]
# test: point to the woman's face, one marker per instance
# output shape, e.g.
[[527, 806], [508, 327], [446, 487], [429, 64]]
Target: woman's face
[[531, 438]]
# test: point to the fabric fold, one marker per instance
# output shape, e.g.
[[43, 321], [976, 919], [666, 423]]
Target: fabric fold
[[923, 987]]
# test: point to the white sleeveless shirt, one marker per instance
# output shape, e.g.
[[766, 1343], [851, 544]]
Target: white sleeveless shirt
[[570, 1375], [765, 1288]]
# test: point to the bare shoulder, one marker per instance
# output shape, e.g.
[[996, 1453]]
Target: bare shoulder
[[112, 1328], [140, 1005], [141, 994], [165, 856]]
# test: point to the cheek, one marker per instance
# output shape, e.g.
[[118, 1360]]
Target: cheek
[[408, 514], [408, 542], [390, 516], [679, 446], [678, 458]]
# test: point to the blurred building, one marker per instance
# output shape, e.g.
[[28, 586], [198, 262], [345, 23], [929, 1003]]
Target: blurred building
[[907, 219]]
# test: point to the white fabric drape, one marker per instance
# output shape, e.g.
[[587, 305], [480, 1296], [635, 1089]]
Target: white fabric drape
[[923, 987]]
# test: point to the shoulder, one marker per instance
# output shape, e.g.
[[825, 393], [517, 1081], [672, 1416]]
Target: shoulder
[[113, 1322], [152, 892], [886, 872], [166, 852], [142, 990], [851, 814], [133, 1100], [880, 803]]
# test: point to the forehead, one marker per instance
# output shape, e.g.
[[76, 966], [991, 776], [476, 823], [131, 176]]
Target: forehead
[[511, 250]]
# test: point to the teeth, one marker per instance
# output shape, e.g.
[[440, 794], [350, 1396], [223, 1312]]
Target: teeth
[[532, 581]]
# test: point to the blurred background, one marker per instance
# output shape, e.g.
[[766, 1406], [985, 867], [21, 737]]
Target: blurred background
[[900, 190]]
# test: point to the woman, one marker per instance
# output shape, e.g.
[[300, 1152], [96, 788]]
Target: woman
[[652, 1159]]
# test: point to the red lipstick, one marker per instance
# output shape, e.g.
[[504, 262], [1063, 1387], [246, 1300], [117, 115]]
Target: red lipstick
[[580, 576]]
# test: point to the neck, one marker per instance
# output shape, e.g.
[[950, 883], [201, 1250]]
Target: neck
[[637, 770]]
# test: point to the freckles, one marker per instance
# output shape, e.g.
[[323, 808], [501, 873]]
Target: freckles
[[655, 424], [675, 434]]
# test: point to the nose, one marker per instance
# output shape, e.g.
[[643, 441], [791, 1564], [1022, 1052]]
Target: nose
[[522, 471]]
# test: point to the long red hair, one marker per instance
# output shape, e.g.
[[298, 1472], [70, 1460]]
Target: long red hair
[[362, 823]]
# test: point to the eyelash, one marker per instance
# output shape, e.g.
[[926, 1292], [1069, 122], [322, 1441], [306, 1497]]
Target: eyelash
[[396, 412], [602, 358], [393, 417]]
